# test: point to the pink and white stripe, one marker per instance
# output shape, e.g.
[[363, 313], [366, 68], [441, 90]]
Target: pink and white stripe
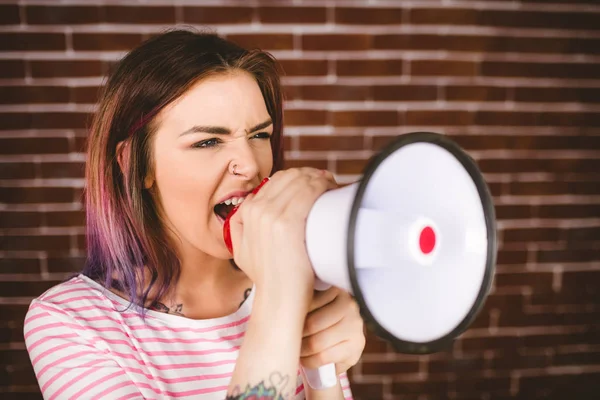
[[82, 345]]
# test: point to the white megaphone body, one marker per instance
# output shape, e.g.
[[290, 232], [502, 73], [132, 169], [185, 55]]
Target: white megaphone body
[[414, 241]]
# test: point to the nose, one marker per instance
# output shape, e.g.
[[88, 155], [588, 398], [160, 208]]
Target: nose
[[244, 162]]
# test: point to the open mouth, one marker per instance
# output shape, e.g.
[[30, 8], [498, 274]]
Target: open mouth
[[223, 209]]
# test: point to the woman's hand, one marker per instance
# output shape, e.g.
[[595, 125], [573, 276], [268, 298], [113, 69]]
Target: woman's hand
[[267, 232], [333, 331]]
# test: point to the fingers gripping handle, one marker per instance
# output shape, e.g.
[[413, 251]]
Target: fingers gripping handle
[[325, 376]]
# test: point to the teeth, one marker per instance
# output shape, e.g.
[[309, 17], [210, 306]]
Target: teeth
[[234, 201]]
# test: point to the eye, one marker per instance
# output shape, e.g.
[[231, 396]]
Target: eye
[[262, 135], [206, 143]]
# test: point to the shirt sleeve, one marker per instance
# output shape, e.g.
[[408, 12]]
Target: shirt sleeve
[[345, 383], [66, 363]]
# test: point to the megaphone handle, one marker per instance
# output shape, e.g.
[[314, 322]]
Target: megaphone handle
[[321, 378]]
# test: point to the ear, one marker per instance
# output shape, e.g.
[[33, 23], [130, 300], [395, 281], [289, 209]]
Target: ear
[[148, 181], [123, 155]]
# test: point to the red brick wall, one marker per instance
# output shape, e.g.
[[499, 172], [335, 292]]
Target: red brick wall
[[517, 83]]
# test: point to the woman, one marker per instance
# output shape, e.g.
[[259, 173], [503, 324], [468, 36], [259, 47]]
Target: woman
[[187, 126]]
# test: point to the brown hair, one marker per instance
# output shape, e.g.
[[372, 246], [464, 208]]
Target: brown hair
[[124, 232]]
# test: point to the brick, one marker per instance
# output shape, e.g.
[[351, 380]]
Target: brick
[[12, 68], [520, 320], [540, 70], [535, 19], [15, 195], [442, 68], [567, 256], [482, 384], [476, 93], [65, 264], [292, 15], [581, 281], [509, 361], [557, 94], [298, 117], [106, 41], [558, 187], [591, 233], [333, 92], [511, 257], [33, 94], [585, 358], [554, 211], [26, 393], [389, 368], [17, 170], [369, 67], [62, 169], [522, 118], [513, 211], [364, 16], [293, 163], [331, 143], [304, 67], [62, 15], [80, 144], [464, 365], [367, 391], [428, 386], [35, 243], [84, 94], [404, 93], [484, 43], [33, 145], [139, 15], [23, 289], [48, 120], [20, 219], [336, 42], [218, 15], [21, 374], [502, 18], [504, 302], [51, 69], [569, 295], [374, 344], [9, 14], [11, 334], [16, 356], [525, 142], [538, 281], [10, 265], [65, 218], [439, 118], [263, 41], [350, 167], [480, 344], [590, 336], [365, 118], [445, 16], [28, 41], [13, 312], [537, 234]]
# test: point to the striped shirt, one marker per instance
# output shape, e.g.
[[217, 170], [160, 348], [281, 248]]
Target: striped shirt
[[83, 343]]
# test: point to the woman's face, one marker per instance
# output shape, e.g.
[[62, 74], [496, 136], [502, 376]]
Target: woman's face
[[221, 122]]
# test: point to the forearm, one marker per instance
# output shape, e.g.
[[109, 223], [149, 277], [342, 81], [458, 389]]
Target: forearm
[[269, 356]]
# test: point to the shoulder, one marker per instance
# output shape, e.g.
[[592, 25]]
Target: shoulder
[[70, 304]]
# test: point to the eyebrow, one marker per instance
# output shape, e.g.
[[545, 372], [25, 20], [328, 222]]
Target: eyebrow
[[219, 130]]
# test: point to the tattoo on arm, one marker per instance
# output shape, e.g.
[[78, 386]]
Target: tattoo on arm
[[246, 294], [176, 309], [275, 390]]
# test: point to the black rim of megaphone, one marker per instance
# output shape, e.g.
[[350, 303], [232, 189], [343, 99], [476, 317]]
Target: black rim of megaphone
[[490, 221]]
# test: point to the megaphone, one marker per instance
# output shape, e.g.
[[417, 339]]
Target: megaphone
[[414, 241]]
